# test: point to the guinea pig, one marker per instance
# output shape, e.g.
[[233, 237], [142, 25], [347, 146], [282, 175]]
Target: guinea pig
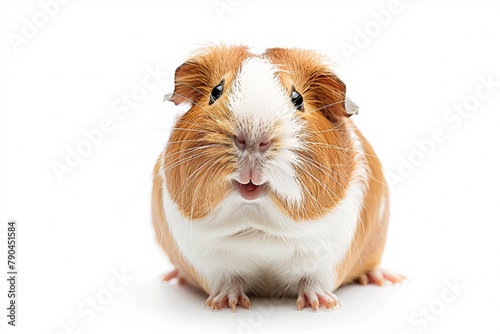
[[266, 187]]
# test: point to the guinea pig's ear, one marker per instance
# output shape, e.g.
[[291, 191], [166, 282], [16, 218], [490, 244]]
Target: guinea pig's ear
[[195, 79], [351, 108], [187, 78], [330, 91]]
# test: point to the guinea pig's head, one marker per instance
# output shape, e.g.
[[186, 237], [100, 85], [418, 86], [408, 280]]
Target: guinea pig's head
[[261, 129]]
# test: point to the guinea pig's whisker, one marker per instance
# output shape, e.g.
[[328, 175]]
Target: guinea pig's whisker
[[162, 231], [191, 149], [325, 170], [190, 123], [315, 164], [377, 180], [180, 157], [179, 194], [336, 147], [336, 181], [340, 124], [194, 194], [193, 88], [183, 161], [308, 112], [128, 133], [333, 130], [191, 178], [191, 130], [180, 161], [183, 150], [186, 141], [166, 130], [161, 158], [200, 184], [328, 191], [356, 244], [215, 171], [327, 105], [341, 148], [198, 105], [315, 201]]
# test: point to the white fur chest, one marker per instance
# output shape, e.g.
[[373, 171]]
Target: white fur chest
[[270, 253]]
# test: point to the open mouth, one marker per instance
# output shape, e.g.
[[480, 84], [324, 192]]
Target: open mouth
[[250, 191]]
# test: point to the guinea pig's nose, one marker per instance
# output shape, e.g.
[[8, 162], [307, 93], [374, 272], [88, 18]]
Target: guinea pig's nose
[[262, 144], [241, 142]]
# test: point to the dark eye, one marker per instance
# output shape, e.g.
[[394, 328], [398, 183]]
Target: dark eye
[[216, 92], [297, 100]]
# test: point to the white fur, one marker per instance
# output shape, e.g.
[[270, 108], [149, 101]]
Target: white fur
[[261, 107], [255, 241]]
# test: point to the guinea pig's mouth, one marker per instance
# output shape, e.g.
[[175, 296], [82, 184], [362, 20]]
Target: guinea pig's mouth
[[250, 191]]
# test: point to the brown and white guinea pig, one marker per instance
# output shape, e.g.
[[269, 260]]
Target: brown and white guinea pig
[[266, 187]]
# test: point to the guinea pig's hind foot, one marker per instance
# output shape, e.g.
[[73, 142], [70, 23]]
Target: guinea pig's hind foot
[[229, 295], [379, 276], [174, 274], [316, 297]]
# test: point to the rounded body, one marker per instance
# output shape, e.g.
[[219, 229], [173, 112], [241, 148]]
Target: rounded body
[[266, 186]]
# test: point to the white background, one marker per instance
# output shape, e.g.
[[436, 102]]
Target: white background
[[76, 233]]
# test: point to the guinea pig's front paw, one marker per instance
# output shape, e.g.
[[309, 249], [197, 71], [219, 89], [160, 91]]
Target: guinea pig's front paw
[[311, 294], [229, 295]]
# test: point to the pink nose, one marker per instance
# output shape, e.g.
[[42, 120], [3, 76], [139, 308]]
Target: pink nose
[[262, 144]]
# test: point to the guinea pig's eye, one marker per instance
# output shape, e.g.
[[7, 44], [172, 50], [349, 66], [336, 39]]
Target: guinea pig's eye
[[216, 92], [297, 100]]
